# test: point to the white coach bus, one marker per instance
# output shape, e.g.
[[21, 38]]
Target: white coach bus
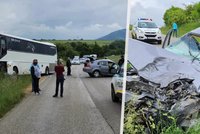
[[17, 54]]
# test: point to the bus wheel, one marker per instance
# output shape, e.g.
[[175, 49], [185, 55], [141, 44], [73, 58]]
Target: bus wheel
[[47, 71], [15, 69]]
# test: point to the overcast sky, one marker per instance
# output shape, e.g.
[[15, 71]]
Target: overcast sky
[[154, 9], [62, 19]]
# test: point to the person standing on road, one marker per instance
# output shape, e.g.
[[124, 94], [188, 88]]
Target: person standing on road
[[175, 29], [121, 61], [59, 69], [32, 78], [68, 64], [36, 74]]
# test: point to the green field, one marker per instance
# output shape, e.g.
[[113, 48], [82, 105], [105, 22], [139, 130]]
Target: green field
[[114, 58], [183, 29], [89, 42]]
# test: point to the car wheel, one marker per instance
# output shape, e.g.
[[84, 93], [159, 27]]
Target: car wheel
[[113, 96], [133, 37], [160, 42], [96, 73]]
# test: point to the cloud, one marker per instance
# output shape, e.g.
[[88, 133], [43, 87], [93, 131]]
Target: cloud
[[154, 9], [114, 26], [62, 19]]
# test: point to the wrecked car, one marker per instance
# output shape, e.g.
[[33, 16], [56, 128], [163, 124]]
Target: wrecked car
[[165, 83], [187, 45]]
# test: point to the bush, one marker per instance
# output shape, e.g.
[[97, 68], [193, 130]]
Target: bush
[[71, 49]]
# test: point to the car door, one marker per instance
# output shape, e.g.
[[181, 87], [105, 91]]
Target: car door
[[103, 67]]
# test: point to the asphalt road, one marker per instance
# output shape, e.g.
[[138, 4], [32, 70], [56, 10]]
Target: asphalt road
[[86, 108]]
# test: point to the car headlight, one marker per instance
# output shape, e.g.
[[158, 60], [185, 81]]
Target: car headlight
[[140, 31], [159, 32], [120, 83]]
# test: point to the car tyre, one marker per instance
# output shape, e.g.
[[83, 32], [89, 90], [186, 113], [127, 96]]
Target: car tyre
[[113, 96], [133, 37], [96, 73]]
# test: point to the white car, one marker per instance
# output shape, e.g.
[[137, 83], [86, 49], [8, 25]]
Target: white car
[[117, 85], [75, 61], [146, 30], [83, 60]]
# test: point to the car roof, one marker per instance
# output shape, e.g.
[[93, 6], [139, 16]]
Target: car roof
[[145, 21], [195, 31], [104, 60]]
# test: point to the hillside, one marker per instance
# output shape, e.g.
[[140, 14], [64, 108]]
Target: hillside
[[116, 35]]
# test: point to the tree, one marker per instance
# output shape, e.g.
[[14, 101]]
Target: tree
[[175, 14]]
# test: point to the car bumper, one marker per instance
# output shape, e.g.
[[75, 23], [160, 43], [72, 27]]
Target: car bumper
[[118, 93], [153, 37], [87, 69], [76, 63]]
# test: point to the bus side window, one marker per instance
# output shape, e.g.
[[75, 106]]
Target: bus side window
[[3, 47], [30, 47]]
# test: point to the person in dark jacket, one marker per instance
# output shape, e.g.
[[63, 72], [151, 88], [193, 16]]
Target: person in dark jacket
[[59, 69], [68, 64], [121, 61], [36, 74]]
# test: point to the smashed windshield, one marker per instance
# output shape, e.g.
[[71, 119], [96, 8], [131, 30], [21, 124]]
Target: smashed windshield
[[187, 45], [147, 25]]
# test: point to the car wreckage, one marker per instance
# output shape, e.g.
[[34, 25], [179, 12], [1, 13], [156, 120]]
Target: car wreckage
[[165, 80]]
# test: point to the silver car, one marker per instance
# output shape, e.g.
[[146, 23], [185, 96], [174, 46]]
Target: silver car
[[100, 68]]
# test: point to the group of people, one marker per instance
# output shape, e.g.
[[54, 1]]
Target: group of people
[[59, 70], [36, 75]]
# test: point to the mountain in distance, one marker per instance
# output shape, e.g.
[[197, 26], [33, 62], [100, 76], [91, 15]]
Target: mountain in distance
[[116, 35]]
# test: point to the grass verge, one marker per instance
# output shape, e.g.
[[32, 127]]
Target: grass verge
[[12, 90], [114, 58], [183, 29]]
